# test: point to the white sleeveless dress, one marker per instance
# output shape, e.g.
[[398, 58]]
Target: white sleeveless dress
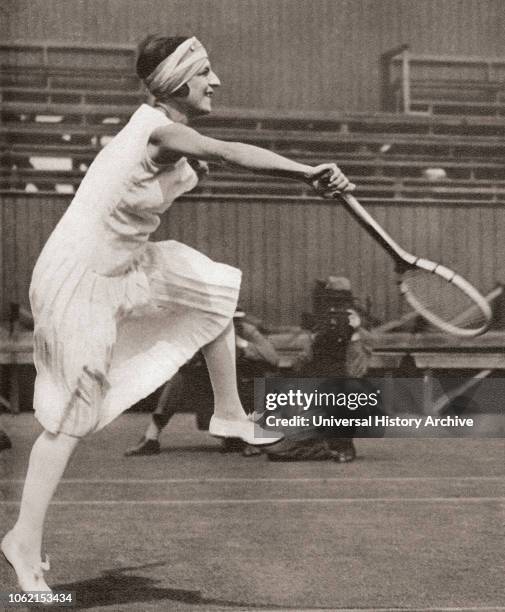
[[116, 315]]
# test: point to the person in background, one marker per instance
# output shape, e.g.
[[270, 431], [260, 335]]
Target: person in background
[[5, 442], [339, 349]]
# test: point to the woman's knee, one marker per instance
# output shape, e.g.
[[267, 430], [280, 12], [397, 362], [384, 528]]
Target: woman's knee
[[60, 438]]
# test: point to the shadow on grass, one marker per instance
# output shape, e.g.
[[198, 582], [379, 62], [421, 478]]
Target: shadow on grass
[[114, 588]]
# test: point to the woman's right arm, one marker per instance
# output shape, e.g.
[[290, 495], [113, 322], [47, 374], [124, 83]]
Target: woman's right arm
[[171, 142]]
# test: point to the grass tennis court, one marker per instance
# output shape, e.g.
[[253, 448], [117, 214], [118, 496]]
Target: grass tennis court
[[412, 524]]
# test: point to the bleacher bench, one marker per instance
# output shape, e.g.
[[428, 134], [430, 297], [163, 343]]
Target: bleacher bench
[[442, 84]]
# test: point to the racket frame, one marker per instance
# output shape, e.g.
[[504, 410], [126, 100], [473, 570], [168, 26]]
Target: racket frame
[[404, 261]]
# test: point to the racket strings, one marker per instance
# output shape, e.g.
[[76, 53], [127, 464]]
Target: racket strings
[[443, 300]]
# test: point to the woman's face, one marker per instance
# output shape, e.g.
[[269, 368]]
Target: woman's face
[[201, 89]]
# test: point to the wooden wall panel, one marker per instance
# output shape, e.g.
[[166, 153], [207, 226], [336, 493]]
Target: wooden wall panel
[[282, 248], [277, 54], [26, 223]]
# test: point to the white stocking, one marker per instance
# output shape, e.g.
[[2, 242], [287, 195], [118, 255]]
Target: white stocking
[[48, 460], [221, 363]]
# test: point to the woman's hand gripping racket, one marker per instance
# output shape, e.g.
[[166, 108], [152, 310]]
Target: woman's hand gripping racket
[[437, 293]]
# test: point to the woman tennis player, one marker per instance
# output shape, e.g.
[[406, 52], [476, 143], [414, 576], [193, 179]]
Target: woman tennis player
[[115, 314]]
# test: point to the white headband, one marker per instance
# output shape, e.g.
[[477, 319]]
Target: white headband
[[176, 70]]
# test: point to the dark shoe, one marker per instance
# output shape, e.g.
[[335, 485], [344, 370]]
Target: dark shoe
[[144, 447], [251, 451], [5, 442], [343, 450], [232, 445], [236, 445], [299, 450]]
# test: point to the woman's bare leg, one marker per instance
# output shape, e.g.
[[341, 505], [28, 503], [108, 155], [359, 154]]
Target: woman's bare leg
[[220, 357], [22, 545]]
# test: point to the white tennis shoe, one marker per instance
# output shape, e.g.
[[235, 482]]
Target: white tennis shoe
[[245, 429], [30, 577]]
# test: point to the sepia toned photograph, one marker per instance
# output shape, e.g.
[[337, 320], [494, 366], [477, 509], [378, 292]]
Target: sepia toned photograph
[[252, 305]]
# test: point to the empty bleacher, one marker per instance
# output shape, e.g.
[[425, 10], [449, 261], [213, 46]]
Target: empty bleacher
[[442, 84], [387, 156], [61, 103]]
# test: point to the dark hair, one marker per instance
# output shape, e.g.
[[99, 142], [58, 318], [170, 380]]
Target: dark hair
[[153, 50]]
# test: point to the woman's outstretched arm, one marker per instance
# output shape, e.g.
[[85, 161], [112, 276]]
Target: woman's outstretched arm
[[171, 142]]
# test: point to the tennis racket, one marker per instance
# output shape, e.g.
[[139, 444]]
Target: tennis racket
[[438, 294]]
